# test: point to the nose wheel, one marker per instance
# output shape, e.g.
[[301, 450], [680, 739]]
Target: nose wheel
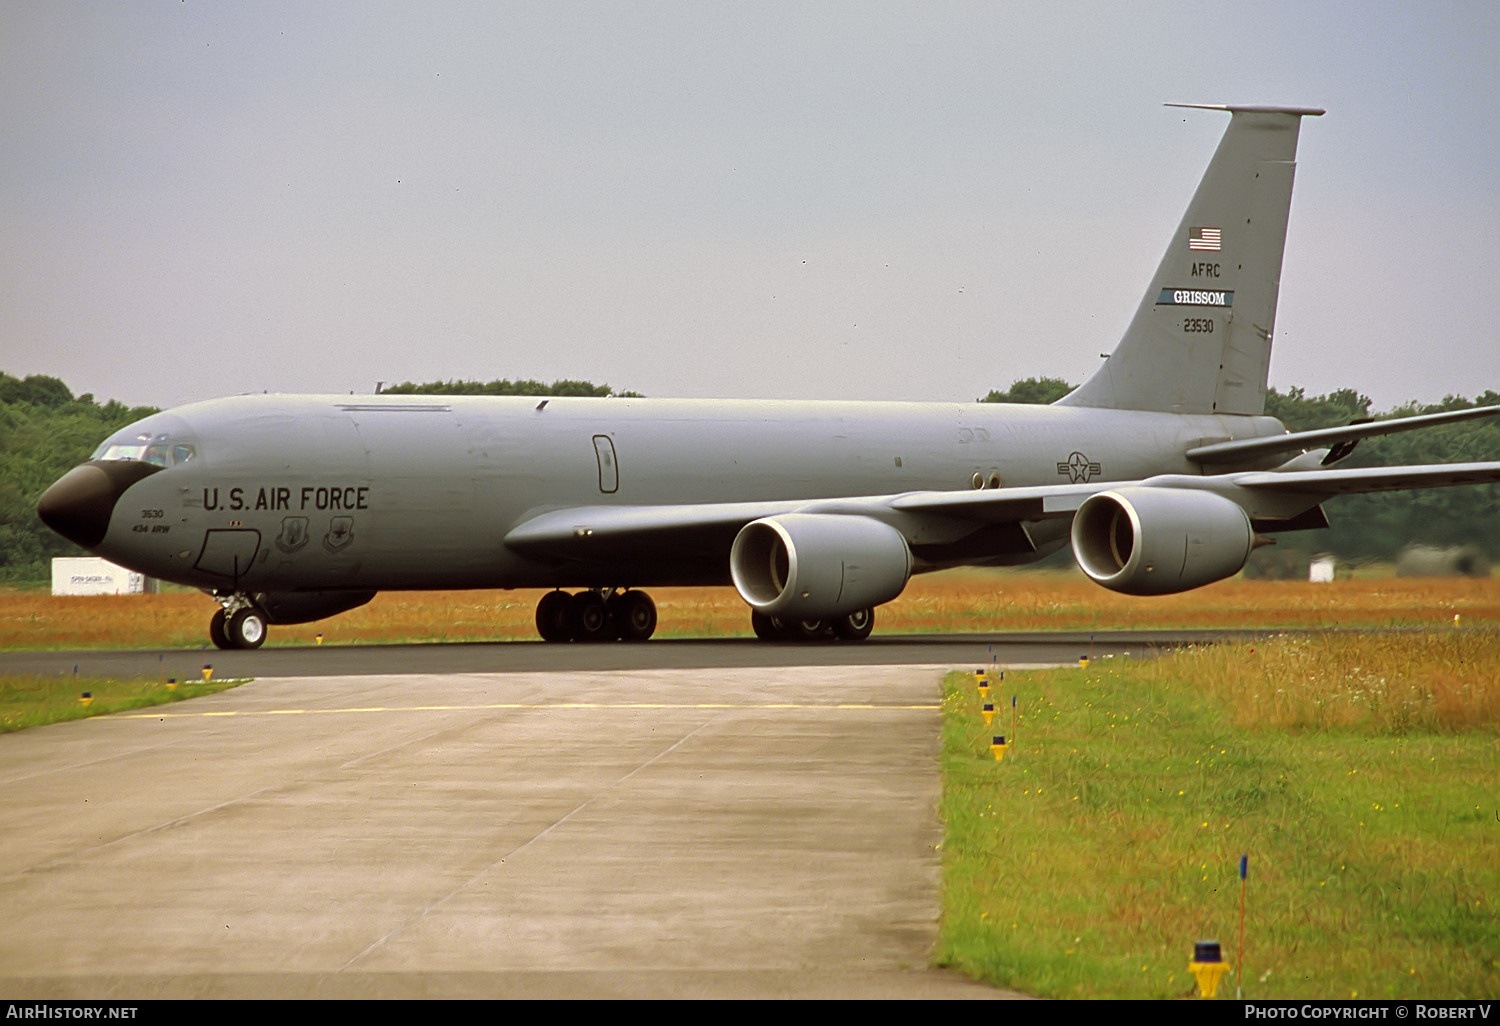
[[240, 624]]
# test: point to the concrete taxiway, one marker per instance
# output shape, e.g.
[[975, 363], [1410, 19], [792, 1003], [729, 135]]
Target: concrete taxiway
[[961, 650], [761, 831]]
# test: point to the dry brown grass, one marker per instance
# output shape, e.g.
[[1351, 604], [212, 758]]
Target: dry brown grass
[[1434, 681], [1068, 601], [970, 600]]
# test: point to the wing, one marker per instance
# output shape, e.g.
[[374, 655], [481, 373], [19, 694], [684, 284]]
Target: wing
[[559, 531], [600, 531]]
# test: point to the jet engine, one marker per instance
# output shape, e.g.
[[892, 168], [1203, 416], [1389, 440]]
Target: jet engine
[[1157, 541], [287, 607], [818, 566]]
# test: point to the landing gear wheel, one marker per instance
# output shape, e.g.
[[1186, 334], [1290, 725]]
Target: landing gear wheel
[[632, 615], [766, 627], [776, 628], [587, 617], [552, 616], [246, 628], [217, 632], [806, 630], [856, 626]]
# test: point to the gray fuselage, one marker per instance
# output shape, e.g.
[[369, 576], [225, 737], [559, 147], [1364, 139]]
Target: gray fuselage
[[415, 492]]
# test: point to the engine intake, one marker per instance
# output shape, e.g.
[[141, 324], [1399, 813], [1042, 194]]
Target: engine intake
[[1157, 541], [818, 566]]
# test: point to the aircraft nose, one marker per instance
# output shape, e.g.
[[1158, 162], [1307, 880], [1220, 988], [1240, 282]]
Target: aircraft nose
[[79, 504]]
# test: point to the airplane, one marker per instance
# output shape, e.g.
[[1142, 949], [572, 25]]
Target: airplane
[[1161, 471]]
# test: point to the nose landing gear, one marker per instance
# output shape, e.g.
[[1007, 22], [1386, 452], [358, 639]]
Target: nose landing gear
[[239, 624]]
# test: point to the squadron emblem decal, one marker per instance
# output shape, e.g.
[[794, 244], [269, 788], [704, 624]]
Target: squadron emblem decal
[[1077, 468], [340, 534], [293, 534]]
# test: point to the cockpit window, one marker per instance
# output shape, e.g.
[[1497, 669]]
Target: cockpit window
[[116, 451], [159, 451]]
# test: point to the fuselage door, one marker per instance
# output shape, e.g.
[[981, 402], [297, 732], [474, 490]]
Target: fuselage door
[[228, 552], [609, 473]]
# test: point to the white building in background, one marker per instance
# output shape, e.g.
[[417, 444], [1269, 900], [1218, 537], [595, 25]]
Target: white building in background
[[1321, 569], [90, 575]]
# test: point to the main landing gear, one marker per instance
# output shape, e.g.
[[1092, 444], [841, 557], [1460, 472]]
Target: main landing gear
[[601, 615], [240, 624], [855, 626]]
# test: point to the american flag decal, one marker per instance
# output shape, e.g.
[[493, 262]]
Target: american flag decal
[[1203, 238]]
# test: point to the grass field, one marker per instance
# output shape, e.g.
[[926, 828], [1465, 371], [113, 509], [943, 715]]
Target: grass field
[[1359, 774], [34, 701], [950, 601]]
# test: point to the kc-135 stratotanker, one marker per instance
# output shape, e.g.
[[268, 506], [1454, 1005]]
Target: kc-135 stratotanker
[[1161, 470]]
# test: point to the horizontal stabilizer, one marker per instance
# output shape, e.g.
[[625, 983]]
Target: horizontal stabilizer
[[1246, 448], [1358, 481], [1251, 108]]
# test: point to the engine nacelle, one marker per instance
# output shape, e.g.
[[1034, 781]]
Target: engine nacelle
[[287, 607], [818, 566], [1156, 541]]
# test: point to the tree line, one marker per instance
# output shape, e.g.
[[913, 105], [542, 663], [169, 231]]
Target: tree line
[[45, 430], [504, 386]]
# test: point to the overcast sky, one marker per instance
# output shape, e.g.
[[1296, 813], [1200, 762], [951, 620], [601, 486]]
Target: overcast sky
[[789, 200]]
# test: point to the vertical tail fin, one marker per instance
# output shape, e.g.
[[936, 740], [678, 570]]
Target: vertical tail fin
[[1200, 341]]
